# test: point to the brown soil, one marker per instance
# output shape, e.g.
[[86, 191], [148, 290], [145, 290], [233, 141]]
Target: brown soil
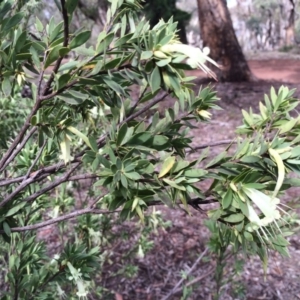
[[177, 248]]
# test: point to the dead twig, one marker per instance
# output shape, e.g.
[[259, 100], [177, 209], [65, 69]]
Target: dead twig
[[176, 287]]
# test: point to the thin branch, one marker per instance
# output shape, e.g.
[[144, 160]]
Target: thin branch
[[51, 186], [35, 160], [144, 109], [15, 148], [197, 279], [138, 113], [174, 290], [5, 182], [72, 215], [219, 143], [41, 76], [20, 188], [65, 44], [137, 101]]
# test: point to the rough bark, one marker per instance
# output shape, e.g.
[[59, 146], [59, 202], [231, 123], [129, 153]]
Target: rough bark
[[218, 34], [290, 28]]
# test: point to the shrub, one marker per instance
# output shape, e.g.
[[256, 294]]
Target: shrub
[[84, 123]]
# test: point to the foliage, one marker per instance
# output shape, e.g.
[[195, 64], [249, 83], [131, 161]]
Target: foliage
[[155, 10], [85, 123]]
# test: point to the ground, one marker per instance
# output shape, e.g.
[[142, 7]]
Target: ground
[[177, 248]]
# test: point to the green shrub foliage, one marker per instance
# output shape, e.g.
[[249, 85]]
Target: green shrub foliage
[[86, 120]]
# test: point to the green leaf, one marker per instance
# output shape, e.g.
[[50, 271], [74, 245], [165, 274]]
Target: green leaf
[[146, 55], [158, 142], [133, 175], [63, 80], [174, 184], [6, 86], [12, 21], [15, 209], [39, 25], [63, 51], [273, 95], [35, 57], [80, 135], [71, 6], [104, 44], [139, 138], [33, 120], [93, 144], [52, 56], [5, 9], [55, 32], [80, 39], [114, 85], [247, 117], [227, 199], [68, 66], [195, 173], [155, 80], [234, 218], [250, 159], [124, 181], [287, 126], [6, 228], [121, 134], [70, 99], [163, 62], [167, 166]]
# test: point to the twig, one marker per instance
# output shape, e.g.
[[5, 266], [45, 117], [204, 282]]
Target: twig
[[197, 279], [41, 76], [133, 116], [137, 101], [144, 109], [51, 186], [35, 160], [5, 182], [173, 291], [14, 149], [62, 218], [219, 143], [21, 187]]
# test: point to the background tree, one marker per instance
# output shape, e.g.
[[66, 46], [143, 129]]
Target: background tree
[[218, 34]]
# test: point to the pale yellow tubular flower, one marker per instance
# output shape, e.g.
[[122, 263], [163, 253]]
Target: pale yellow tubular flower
[[60, 292], [65, 149], [266, 204], [81, 287], [204, 114], [196, 58]]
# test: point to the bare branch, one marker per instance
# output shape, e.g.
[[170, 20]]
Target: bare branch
[[174, 290], [51, 186], [5, 182], [72, 215], [15, 148], [215, 144]]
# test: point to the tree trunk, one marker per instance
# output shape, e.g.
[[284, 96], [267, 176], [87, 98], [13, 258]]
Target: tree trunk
[[218, 34], [290, 28]]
